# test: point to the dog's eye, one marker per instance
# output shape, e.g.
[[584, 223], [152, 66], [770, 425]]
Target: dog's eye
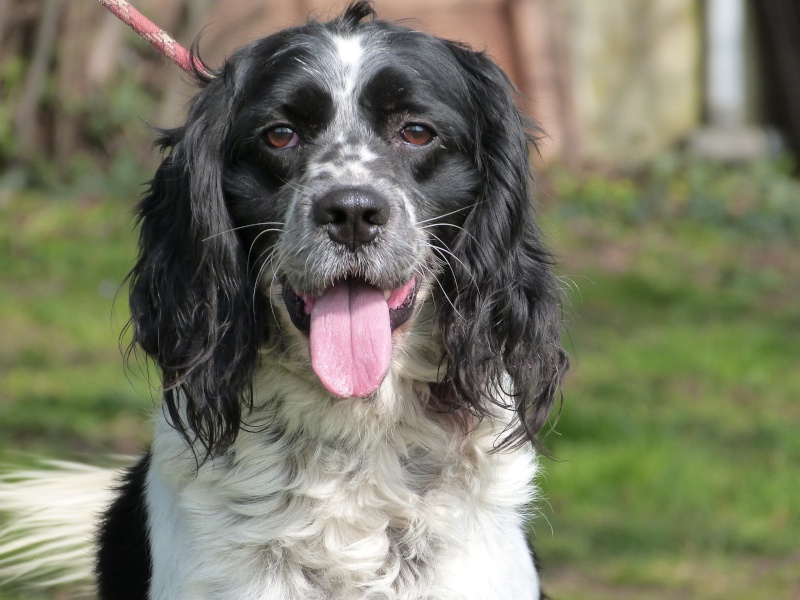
[[281, 137], [416, 134]]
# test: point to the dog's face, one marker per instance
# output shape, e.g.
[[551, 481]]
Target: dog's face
[[344, 159], [331, 182]]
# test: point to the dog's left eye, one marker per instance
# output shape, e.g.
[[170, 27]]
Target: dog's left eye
[[417, 135], [281, 137]]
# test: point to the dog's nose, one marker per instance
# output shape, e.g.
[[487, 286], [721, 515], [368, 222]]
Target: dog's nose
[[352, 216]]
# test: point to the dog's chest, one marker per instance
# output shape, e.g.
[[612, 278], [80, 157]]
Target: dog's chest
[[328, 523]]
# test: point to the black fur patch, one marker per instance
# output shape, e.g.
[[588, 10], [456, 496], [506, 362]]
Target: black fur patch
[[123, 556]]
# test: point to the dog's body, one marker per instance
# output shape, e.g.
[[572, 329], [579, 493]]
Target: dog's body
[[342, 283]]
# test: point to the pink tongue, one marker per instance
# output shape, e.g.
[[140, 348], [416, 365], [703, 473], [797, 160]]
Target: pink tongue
[[351, 339]]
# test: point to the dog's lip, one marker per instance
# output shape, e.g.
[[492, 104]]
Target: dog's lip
[[300, 304]]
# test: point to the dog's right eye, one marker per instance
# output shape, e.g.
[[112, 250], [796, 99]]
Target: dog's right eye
[[415, 134], [281, 137]]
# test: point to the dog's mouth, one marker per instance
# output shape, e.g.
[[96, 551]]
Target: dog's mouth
[[350, 328]]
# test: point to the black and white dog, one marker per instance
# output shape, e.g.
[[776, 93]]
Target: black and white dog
[[342, 283]]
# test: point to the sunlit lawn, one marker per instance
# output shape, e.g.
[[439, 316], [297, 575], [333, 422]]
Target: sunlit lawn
[[677, 449], [678, 445]]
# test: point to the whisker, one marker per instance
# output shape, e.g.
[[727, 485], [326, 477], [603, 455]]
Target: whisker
[[445, 250], [294, 186], [261, 270], [441, 287], [452, 212], [451, 225], [252, 245], [297, 187], [244, 227], [275, 270]]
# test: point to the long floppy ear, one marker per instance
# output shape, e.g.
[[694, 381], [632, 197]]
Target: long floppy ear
[[191, 295], [502, 327]]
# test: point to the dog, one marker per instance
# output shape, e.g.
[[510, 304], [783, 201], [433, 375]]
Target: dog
[[341, 280]]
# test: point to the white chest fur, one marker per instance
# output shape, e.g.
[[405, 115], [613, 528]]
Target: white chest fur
[[407, 512]]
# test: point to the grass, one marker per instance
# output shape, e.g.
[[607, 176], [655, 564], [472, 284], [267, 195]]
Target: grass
[[64, 390], [677, 446]]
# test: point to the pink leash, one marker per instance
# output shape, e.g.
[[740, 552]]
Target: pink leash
[[155, 36]]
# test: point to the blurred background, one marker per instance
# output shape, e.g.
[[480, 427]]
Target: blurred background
[[668, 188]]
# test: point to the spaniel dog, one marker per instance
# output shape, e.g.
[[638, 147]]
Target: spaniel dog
[[342, 283]]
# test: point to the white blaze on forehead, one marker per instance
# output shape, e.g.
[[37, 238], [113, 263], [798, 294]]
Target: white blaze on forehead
[[348, 50], [343, 65], [348, 54]]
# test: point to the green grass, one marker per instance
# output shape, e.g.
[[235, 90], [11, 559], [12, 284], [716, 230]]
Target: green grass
[[63, 389], [677, 447]]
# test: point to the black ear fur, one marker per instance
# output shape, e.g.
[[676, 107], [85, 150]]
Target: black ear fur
[[504, 317], [191, 295]]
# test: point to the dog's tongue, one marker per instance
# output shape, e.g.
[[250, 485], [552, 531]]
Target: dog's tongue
[[351, 338]]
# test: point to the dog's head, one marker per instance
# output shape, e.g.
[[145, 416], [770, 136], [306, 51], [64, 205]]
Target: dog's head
[[335, 186]]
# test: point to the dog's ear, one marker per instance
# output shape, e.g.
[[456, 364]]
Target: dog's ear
[[502, 325], [191, 294]]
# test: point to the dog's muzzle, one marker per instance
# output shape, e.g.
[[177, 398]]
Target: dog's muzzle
[[350, 324]]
